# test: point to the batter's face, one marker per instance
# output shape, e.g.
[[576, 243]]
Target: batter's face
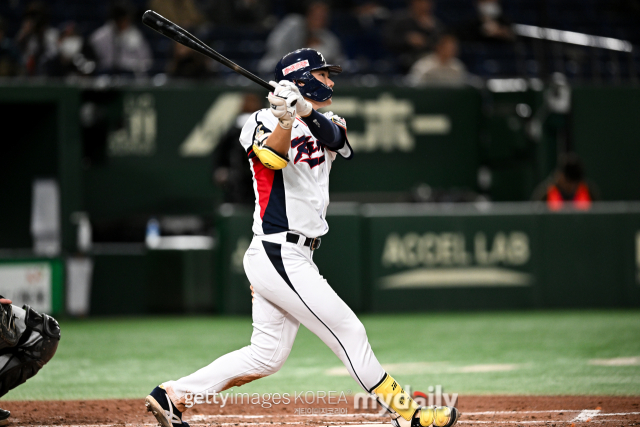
[[323, 76]]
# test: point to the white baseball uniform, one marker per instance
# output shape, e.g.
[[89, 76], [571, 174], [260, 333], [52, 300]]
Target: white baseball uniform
[[288, 287], [294, 198]]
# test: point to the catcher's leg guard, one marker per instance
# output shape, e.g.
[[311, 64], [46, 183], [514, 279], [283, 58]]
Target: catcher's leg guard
[[36, 337], [407, 412]]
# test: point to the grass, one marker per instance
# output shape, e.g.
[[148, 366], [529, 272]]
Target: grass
[[550, 351]]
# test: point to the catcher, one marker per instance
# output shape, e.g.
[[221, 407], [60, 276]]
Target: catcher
[[28, 340]]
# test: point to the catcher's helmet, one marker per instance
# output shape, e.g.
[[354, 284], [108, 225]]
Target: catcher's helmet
[[297, 66]]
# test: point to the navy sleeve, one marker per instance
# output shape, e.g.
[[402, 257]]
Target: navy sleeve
[[327, 132]]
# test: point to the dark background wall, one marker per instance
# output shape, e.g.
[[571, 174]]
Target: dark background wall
[[122, 156]]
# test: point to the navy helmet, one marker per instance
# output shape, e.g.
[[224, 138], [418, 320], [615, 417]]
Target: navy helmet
[[298, 65]]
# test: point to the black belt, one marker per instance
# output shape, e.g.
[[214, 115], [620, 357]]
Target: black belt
[[313, 243]]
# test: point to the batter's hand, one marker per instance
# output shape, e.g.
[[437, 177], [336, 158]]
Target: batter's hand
[[285, 86], [282, 105], [303, 107]]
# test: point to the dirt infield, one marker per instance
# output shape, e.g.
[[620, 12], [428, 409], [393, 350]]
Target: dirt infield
[[552, 411]]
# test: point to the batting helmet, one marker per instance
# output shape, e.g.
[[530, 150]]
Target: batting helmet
[[298, 65]]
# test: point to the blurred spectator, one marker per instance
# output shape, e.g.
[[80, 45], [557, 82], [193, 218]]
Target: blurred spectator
[[297, 31], [489, 25], [119, 46], [187, 63], [36, 39], [185, 13], [440, 67], [567, 185], [75, 57], [256, 14], [412, 33], [231, 170], [369, 14], [9, 53]]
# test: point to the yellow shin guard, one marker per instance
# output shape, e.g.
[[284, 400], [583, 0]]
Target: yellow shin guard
[[390, 392]]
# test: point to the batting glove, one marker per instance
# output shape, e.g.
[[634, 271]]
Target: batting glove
[[303, 107], [283, 109]]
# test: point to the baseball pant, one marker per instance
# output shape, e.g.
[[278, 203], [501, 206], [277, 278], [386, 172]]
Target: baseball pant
[[289, 290]]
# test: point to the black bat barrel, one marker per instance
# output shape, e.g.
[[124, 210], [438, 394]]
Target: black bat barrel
[[169, 29]]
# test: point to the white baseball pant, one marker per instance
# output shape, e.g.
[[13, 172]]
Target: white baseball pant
[[289, 290]]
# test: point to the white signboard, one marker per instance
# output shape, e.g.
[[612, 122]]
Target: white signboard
[[27, 283]]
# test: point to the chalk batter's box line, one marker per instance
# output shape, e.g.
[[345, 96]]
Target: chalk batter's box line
[[356, 424], [368, 414], [526, 422], [330, 425], [617, 413]]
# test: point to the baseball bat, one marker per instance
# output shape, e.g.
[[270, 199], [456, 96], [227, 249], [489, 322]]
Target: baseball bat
[[169, 29]]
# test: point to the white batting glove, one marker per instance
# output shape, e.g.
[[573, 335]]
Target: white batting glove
[[303, 107], [283, 109], [284, 90], [285, 85]]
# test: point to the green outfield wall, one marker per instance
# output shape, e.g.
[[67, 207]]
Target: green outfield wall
[[125, 154], [400, 257], [502, 256]]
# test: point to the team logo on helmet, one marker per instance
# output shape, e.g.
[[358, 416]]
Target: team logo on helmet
[[293, 67]]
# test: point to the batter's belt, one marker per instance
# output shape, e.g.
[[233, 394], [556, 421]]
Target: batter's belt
[[311, 242]]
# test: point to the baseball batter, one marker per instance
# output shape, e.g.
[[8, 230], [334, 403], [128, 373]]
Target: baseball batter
[[291, 149]]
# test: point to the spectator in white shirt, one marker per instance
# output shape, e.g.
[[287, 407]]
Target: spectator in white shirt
[[120, 47], [442, 67]]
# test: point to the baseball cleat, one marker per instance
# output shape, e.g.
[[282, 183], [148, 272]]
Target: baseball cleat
[[161, 406], [4, 417], [436, 416]]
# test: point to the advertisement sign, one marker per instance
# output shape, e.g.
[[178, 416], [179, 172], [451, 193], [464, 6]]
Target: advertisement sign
[[435, 261], [28, 283]]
